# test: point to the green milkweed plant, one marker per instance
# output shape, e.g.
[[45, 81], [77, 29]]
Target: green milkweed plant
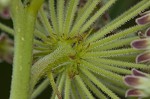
[[57, 43]]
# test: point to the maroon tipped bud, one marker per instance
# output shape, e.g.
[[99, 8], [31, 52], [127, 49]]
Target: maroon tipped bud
[[148, 32], [140, 44], [139, 81], [138, 73], [2, 37], [6, 48], [5, 13], [144, 57], [132, 80], [143, 20], [134, 92]]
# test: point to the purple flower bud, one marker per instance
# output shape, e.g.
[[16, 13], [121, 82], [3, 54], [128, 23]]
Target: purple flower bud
[[6, 48], [147, 32], [134, 93], [138, 73], [5, 13], [141, 44], [143, 57], [143, 20], [132, 80], [139, 82]]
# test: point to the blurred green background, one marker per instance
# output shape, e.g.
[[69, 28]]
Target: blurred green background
[[6, 69]]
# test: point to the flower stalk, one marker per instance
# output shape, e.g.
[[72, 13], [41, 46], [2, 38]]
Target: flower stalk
[[70, 49], [24, 22]]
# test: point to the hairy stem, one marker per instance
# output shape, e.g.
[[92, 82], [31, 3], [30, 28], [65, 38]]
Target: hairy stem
[[22, 58], [40, 88], [43, 64], [54, 86], [24, 22], [6, 29]]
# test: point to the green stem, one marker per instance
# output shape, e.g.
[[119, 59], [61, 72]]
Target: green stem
[[10, 31], [24, 22], [54, 86], [99, 84], [40, 88], [6, 29], [67, 88], [81, 84], [92, 87], [43, 65], [35, 6], [23, 58]]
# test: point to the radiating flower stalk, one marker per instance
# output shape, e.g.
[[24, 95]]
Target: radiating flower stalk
[[80, 57], [80, 61]]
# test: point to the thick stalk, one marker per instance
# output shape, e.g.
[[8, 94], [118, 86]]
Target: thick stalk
[[23, 21], [43, 65], [22, 59]]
